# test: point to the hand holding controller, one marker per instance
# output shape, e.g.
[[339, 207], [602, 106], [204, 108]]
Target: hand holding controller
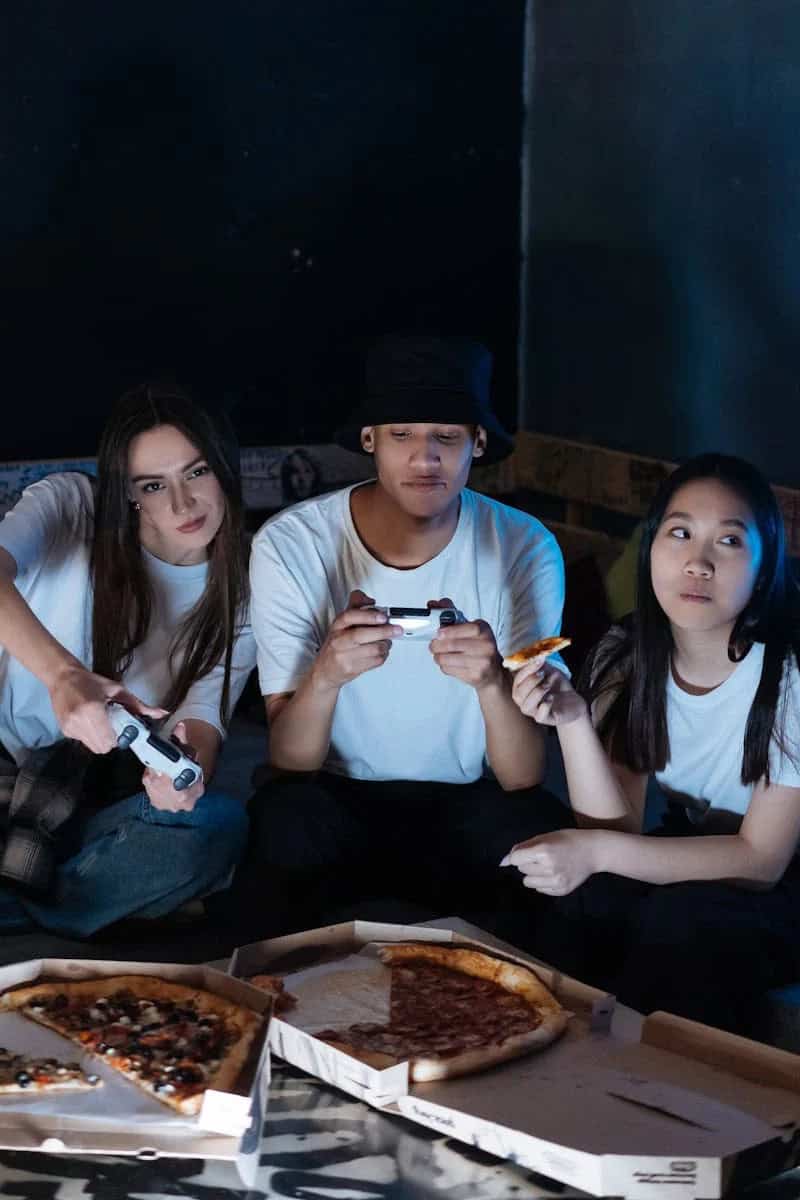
[[160, 754], [422, 623]]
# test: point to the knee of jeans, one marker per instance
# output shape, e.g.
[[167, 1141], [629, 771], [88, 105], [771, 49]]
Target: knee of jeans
[[216, 816], [222, 821]]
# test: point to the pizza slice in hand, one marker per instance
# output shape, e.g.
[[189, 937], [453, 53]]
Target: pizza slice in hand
[[543, 647]]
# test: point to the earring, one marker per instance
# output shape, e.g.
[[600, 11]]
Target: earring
[[137, 506]]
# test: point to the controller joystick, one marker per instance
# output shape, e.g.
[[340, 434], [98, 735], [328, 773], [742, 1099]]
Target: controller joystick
[[161, 754]]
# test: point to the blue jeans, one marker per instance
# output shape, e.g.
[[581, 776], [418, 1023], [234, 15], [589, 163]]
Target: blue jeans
[[135, 860]]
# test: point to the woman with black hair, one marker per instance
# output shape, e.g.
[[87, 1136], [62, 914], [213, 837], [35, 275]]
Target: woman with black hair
[[701, 690], [130, 589]]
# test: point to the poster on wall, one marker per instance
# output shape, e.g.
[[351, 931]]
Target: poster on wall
[[272, 476]]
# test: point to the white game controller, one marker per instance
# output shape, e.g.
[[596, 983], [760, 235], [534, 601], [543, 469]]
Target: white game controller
[[162, 754], [421, 622]]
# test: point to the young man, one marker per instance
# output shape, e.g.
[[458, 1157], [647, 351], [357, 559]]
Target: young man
[[410, 769]]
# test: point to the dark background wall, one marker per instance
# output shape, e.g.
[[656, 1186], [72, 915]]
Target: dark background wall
[[245, 194], [663, 291]]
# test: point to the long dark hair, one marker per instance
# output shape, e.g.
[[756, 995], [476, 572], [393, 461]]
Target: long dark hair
[[122, 595], [634, 667]]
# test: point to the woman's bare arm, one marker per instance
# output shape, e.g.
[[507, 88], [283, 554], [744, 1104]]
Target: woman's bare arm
[[79, 697], [755, 857]]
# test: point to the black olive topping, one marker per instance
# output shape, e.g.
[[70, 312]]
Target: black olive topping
[[187, 1075]]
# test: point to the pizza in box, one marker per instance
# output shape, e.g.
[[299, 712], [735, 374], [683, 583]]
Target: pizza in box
[[171, 1040], [452, 1011]]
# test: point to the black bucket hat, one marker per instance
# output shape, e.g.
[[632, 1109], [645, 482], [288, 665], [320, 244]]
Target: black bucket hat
[[426, 379]]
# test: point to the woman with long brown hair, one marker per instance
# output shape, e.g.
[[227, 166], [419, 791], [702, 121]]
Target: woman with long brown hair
[[131, 589]]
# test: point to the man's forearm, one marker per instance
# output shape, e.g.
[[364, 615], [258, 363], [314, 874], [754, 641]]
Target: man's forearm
[[515, 745], [299, 736]]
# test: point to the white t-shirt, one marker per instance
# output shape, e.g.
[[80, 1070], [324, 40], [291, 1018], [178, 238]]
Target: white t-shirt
[[406, 719], [48, 534], [706, 739]]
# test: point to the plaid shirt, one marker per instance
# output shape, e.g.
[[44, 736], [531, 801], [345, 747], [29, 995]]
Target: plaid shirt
[[36, 802]]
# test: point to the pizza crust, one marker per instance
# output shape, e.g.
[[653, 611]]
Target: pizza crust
[[544, 646], [428, 1070], [55, 1085], [139, 985]]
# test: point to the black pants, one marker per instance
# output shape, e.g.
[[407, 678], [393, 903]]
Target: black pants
[[707, 951], [320, 843]]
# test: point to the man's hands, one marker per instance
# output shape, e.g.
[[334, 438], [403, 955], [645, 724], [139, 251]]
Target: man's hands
[[358, 640], [160, 789], [555, 863], [300, 722], [545, 693], [79, 699], [467, 651]]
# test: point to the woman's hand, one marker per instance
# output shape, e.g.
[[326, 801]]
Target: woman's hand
[[80, 699], [544, 693], [555, 863], [160, 789]]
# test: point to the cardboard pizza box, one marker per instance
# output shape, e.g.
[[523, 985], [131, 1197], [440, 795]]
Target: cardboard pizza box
[[617, 1107], [331, 958], [119, 1118]]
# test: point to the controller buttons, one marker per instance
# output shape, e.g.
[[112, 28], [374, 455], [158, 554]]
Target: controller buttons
[[185, 779], [448, 617], [128, 735], [164, 747]]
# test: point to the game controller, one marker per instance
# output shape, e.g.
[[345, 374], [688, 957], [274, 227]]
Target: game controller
[[161, 754], [421, 622]]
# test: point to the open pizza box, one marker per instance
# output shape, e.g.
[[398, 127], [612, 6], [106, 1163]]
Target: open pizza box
[[120, 1118], [616, 1107]]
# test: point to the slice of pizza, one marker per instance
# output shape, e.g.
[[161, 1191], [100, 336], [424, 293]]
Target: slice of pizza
[[544, 647], [274, 985], [453, 1011], [171, 1040], [23, 1073]]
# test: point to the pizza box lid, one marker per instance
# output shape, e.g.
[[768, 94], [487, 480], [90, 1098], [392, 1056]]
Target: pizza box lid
[[660, 1108], [119, 1118]]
